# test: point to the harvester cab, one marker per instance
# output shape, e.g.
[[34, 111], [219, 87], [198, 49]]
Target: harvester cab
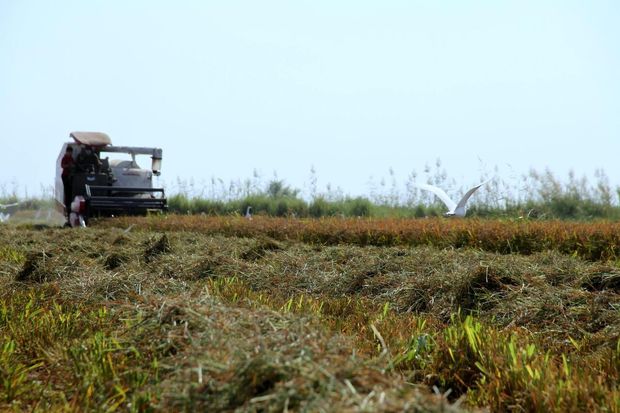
[[89, 184]]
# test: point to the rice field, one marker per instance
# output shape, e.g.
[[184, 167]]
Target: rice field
[[197, 313]]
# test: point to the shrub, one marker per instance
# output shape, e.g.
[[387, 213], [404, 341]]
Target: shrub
[[359, 207]]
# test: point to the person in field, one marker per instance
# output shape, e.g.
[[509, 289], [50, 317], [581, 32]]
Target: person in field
[[88, 161], [67, 164]]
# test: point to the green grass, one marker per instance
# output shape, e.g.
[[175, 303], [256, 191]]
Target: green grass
[[560, 206]]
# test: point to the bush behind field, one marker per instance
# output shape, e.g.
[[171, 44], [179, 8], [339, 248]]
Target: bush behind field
[[537, 196], [565, 208], [545, 198], [296, 207], [540, 195]]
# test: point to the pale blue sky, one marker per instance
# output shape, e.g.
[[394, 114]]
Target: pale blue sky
[[351, 87]]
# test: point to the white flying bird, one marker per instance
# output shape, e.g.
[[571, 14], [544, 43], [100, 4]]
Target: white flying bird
[[6, 206], [454, 208], [4, 216]]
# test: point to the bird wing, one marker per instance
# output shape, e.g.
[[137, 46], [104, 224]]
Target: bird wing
[[441, 194], [468, 194], [5, 206]]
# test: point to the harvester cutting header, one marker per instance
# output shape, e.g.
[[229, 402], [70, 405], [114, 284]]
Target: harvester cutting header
[[89, 185]]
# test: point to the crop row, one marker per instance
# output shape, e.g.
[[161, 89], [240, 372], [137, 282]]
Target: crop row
[[595, 241]]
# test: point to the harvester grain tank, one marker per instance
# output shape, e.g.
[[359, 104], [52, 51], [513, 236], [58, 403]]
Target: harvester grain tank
[[100, 186]]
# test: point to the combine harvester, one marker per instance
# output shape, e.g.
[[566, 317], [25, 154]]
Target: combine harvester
[[106, 187]]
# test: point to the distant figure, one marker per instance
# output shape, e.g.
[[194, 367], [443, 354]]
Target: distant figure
[[88, 161], [68, 165], [248, 213]]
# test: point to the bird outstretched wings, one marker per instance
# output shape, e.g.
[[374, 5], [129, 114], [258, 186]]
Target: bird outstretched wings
[[7, 206], [441, 194], [453, 208]]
